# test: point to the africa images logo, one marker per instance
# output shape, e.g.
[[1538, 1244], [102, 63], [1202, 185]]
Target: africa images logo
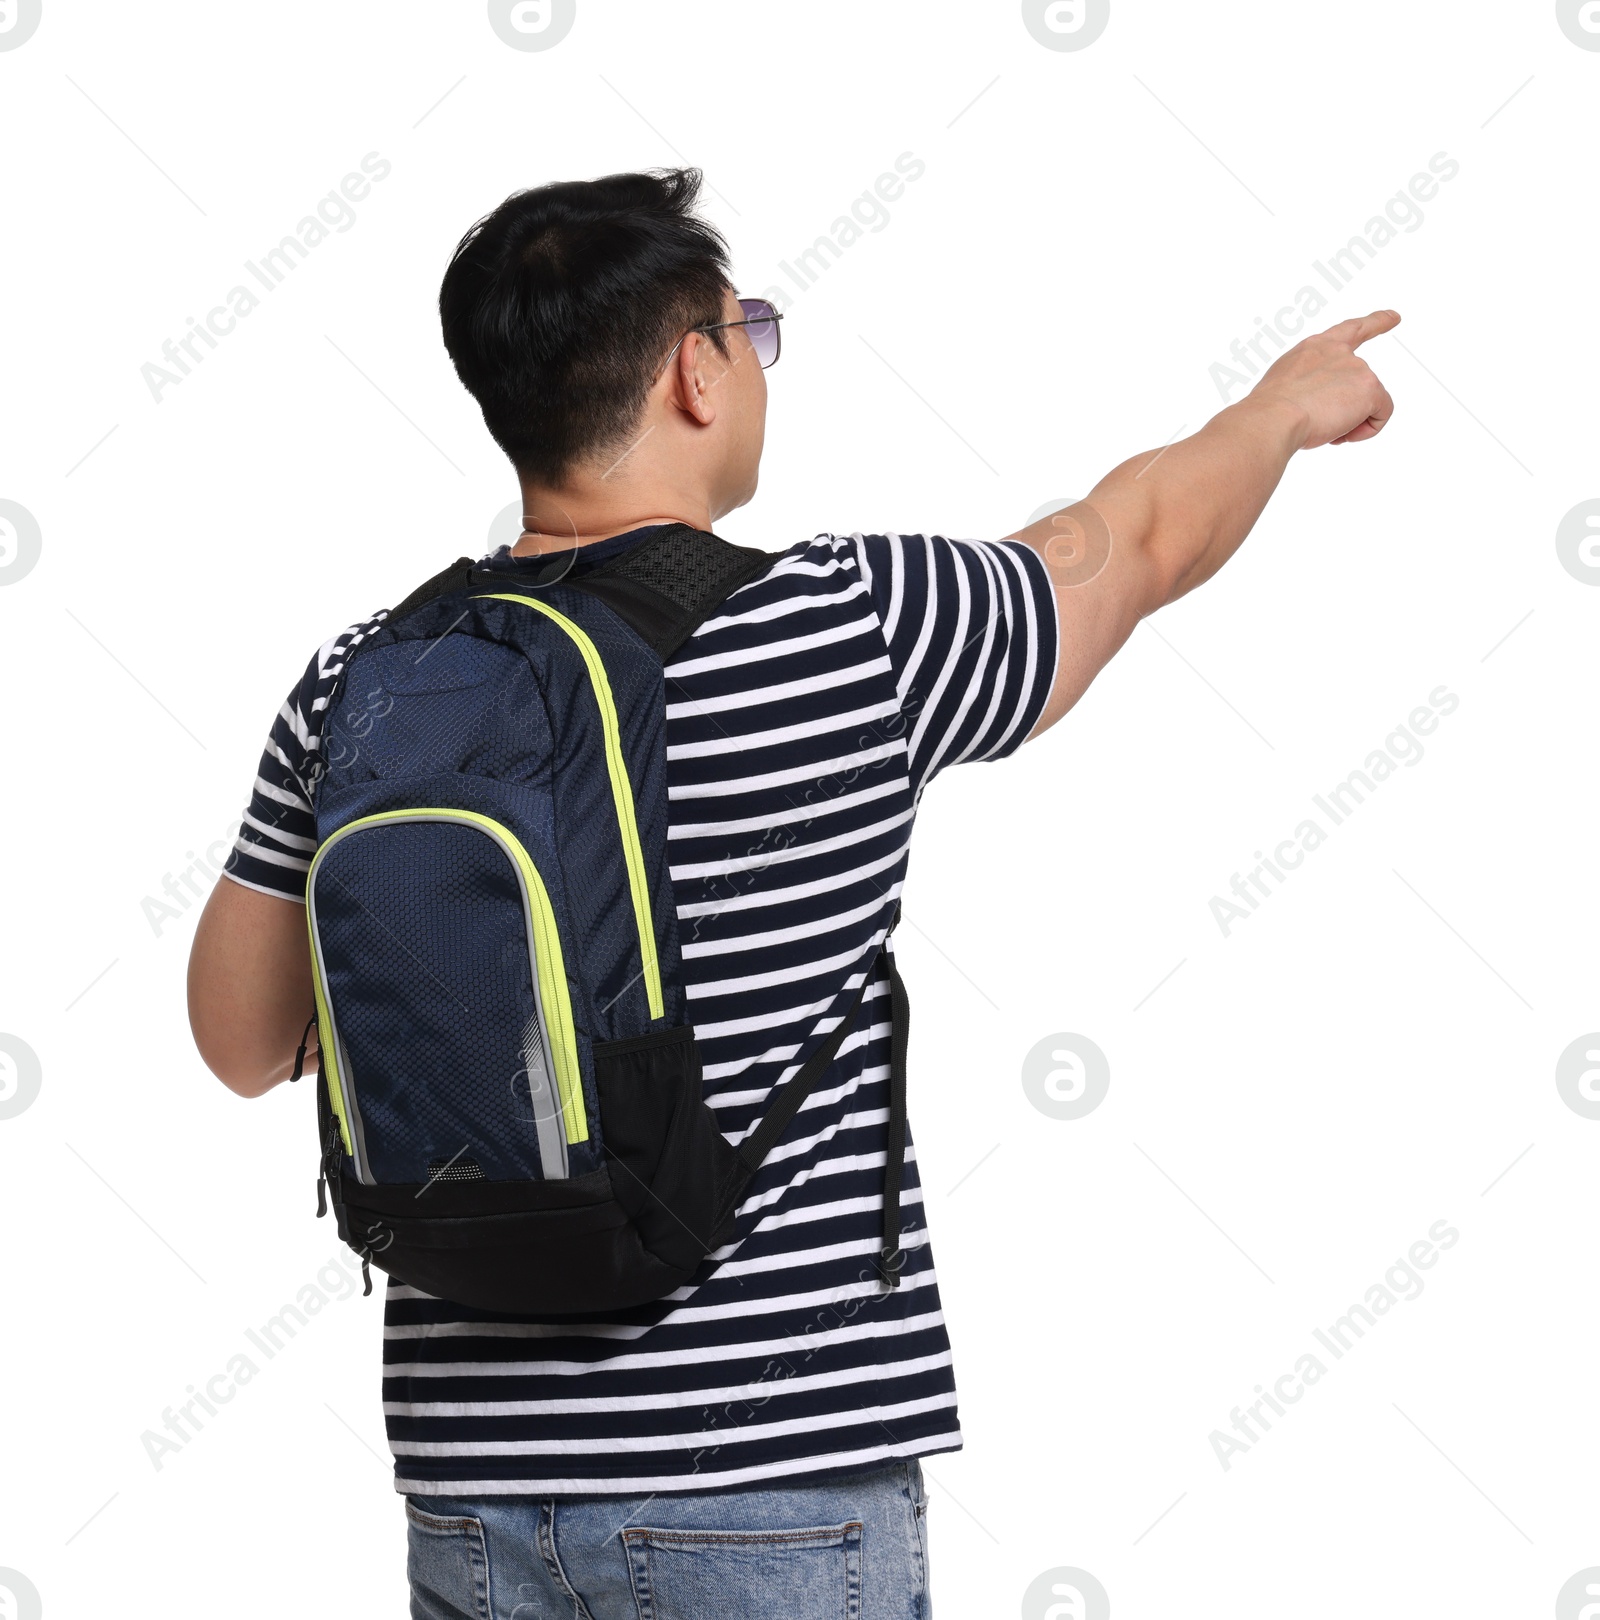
[[21, 1077], [1578, 1078], [19, 1597], [20, 540], [1580, 22], [1066, 1076], [1066, 25], [1579, 1599], [1578, 542], [532, 25], [18, 19], [1066, 1594]]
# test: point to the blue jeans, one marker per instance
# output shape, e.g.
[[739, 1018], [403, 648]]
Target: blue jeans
[[850, 1548]]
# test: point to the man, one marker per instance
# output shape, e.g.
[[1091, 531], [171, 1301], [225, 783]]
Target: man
[[747, 1446]]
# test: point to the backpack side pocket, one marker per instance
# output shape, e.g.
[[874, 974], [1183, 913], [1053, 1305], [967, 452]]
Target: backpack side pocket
[[668, 1161]]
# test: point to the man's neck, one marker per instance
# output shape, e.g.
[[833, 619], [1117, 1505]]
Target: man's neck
[[566, 520], [533, 544]]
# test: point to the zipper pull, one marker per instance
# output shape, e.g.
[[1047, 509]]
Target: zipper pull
[[300, 1053], [330, 1150], [366, 1277]]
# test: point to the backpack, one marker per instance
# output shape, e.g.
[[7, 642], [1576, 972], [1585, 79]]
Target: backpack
[[511, 1110]]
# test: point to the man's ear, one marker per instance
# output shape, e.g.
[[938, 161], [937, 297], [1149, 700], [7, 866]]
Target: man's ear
[[700, 365]]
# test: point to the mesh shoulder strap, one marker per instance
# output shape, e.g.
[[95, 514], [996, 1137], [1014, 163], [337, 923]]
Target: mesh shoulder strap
[[665, 587], [668, 585], [445, 583]]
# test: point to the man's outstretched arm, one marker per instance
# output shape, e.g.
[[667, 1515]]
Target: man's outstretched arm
[[1166, 521]]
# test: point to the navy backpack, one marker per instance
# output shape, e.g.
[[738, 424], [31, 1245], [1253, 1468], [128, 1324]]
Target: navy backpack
[[511, 1111]]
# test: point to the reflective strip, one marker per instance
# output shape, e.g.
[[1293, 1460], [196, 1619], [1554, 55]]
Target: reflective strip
[[327, 1042], [621, 791], [555, 1000]]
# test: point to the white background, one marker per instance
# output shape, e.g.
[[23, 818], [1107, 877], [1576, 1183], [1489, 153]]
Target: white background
[[1293, 1107]]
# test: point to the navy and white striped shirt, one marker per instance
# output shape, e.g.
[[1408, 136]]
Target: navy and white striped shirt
[[803, 722]]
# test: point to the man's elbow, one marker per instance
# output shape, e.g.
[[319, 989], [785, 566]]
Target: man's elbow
[[1148, 549], [248, 1054], [244, 1071]]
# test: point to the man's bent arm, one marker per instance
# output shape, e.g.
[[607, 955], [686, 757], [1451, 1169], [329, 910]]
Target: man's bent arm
[[1166, 521], [250, 989]]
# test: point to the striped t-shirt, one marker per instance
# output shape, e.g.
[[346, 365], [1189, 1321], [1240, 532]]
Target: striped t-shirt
[[803, 721]]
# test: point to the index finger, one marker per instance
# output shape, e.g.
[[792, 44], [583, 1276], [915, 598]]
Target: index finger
[[1355, 332]]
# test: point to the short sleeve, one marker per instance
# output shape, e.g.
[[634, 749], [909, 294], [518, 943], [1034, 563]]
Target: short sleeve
[[971, 631], [277, 836]]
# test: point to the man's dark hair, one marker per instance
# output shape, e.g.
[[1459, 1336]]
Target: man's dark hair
[[559, 307]]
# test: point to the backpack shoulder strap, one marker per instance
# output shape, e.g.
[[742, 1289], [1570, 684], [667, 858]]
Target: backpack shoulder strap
[[761, 1141], [667, 586], [752, 1152], [448, 580], [664, 588]]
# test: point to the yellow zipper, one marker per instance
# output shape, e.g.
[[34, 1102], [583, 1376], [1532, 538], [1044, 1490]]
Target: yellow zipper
[[327, 1058], [554, 997], [621, 792]]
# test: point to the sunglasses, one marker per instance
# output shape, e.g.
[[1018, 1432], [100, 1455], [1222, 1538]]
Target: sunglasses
[[760, 321]]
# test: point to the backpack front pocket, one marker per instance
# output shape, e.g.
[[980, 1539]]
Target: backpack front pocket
[[448, 1042]]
